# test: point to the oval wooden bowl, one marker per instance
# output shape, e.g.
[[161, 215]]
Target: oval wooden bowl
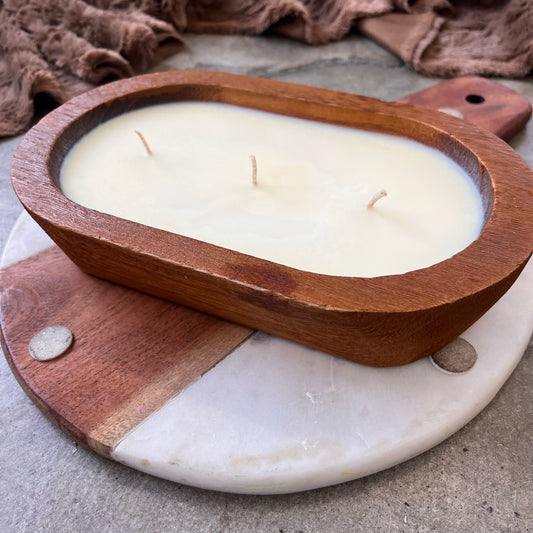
[[383, 321]]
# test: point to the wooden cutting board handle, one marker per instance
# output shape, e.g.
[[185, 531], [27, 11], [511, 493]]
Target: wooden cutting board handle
[[487, 104]]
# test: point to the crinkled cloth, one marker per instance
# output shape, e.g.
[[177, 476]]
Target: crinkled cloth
[[63, 47]]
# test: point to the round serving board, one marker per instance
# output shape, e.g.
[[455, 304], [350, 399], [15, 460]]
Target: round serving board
[[191, 398]]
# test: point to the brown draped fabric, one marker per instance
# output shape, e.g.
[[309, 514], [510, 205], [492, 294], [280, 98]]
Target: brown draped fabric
[[64, 47]]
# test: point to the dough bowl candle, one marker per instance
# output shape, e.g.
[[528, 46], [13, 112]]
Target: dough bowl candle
[[374, 231]]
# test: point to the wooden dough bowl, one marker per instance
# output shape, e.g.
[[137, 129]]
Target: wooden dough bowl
[[382, 321]]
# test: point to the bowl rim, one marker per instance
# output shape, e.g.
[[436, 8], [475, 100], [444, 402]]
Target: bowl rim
[[503, 246]]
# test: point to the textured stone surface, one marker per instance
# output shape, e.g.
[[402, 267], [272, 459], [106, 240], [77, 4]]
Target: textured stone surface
[[479, 480], [10, 207], [50, 342], [458, 356]]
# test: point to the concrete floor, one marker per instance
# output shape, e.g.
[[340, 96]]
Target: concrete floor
[[479, 480]]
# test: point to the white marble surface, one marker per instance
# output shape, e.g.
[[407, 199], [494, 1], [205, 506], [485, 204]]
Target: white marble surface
[[26, 239], [276, 417]]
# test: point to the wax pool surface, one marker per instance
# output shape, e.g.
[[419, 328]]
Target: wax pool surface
[[309, 209]]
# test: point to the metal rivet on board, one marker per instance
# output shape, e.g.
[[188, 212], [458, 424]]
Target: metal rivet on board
[[456, 357], [50, 342], [451, 111]]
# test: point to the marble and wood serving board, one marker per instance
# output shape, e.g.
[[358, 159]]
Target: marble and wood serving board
[[191, 398], [143, 385]]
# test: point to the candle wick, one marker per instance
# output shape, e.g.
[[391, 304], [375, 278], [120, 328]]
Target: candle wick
[[380, 194], [254, 170], [143, 140]]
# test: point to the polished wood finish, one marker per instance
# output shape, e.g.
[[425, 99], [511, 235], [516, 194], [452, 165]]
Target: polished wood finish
[[385, 321], [131, 352], [482, 102]]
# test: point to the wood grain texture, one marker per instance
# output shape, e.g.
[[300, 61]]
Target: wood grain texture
[[364, 320], [482, 102], [131, 351]]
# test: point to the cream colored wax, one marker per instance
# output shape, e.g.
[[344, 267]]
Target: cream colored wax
[[309, 207]]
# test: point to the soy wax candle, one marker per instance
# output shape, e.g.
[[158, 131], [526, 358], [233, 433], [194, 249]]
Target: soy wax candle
[[312, 200], [317, 197]]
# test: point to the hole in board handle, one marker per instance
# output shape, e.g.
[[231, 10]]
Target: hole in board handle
[[474, 99]]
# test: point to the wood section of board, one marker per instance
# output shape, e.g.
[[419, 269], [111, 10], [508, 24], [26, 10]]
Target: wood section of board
[[482, 102], [131, 352]]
